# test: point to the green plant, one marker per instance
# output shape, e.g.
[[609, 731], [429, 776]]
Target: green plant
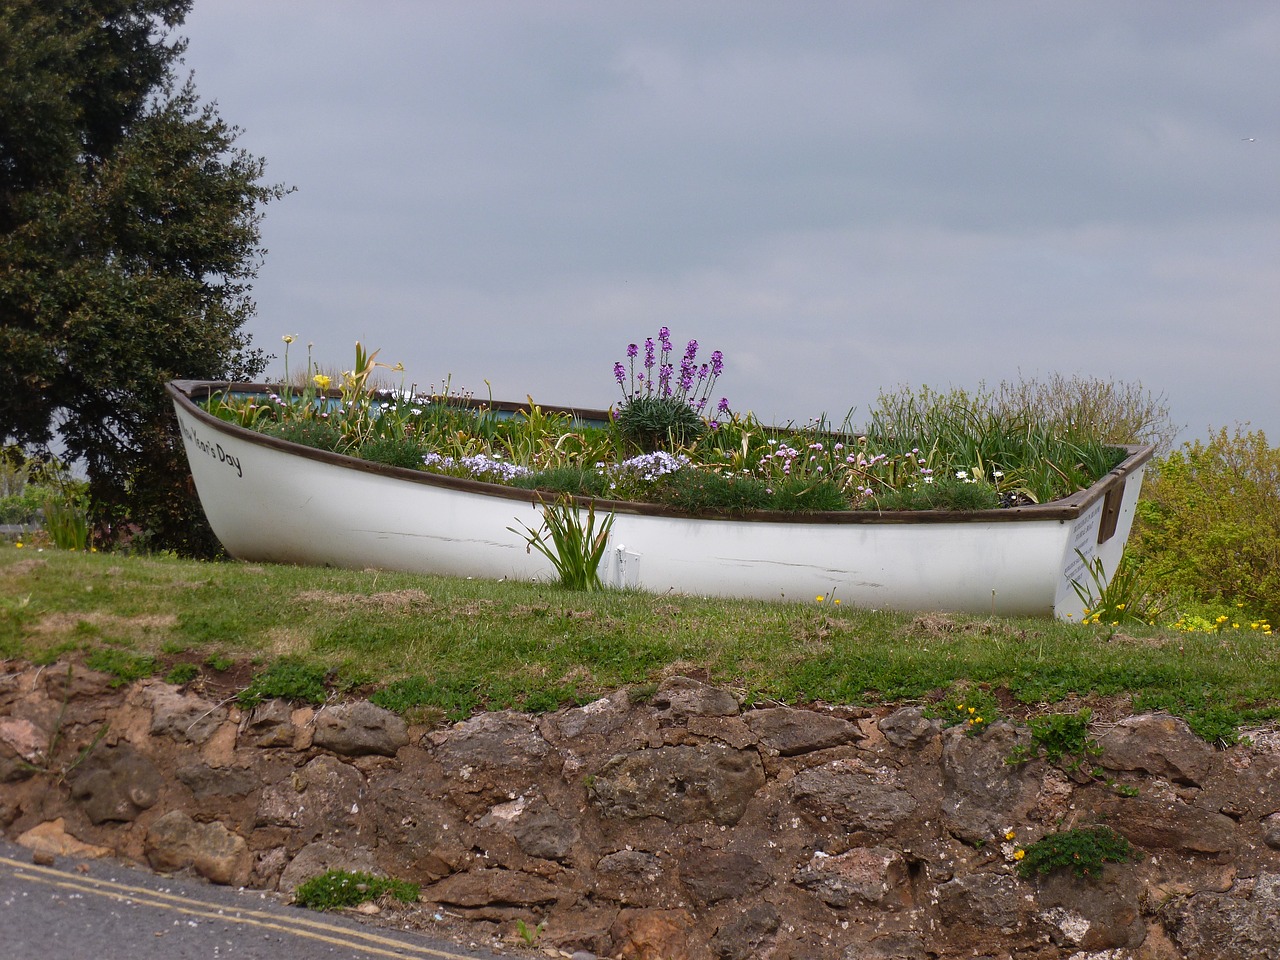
[[287, 679], [576, 547], [529, 934], [1207, 527], [966, 704], [67, 522], [320, 434], [1083, 851], [345, 888], [124, 666], [1124, 599], [662, 407], [219, 662], [946, 493], [181, 674], [393, 451], [659, 423]]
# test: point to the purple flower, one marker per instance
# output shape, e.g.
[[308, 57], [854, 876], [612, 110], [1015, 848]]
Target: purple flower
[[724, 405], [648, 353], [717, 363], [691, 350], [632, 350], [620, 373]]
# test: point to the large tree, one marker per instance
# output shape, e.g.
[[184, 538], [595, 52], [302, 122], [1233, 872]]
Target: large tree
[[128, 240]]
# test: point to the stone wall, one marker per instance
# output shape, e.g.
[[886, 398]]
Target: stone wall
[[680, 827]]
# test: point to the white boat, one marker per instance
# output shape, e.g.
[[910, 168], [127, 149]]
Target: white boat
[[270, 500]]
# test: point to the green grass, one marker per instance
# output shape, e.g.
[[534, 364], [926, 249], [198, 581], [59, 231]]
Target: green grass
[[450, 647]]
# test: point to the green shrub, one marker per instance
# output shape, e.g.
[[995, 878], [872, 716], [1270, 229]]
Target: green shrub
[[181, 674], [393, 451], [320, 434], [569, 478], [124, 667], [1081, 851], [703, 491], [287, 679], [946, 493], [1208, 523], [344, 888], [659, 423]]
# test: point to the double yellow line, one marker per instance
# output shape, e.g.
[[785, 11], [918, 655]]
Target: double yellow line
[[303, 926]]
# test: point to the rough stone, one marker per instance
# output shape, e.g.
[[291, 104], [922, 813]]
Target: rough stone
[[185, 717], [982, 791], [791, 732], [1157, 744], [176, 842], [269, 724], [537, 829], [870, 875], [846, 794], [502, 889], [655, 935], [1102, 914], [324, 798], [51, 839], [685, 697], [715, 875], [909, 727], [740, 937], [115, 783], [206, 782], [360, 728], [679, 784], [1218, 926], [1169, 825]]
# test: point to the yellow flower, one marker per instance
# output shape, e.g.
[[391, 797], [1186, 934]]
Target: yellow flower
[[819, 598], [836, 602], [288, 338], [1019, 854], [1010, 835], [321, 381], [18, 544], [1119, 606]]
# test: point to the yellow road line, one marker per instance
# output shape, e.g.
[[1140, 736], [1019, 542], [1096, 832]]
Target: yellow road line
[[300, 926]]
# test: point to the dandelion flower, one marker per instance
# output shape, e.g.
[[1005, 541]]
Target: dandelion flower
[[819, 598]]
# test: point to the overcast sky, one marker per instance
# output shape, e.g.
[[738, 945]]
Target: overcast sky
[[841, 196]]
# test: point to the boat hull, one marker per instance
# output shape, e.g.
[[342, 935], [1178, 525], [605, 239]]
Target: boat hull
[[268, 500]]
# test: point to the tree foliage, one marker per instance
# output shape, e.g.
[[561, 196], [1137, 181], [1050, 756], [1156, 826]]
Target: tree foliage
[[129, 235], [1208, 523]]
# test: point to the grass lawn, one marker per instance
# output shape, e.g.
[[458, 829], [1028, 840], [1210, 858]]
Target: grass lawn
[[446, 647]]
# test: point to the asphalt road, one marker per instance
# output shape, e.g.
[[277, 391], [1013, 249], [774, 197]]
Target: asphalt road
[[100, 910]]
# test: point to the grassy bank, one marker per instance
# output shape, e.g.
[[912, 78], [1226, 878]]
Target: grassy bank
[[445, 647]]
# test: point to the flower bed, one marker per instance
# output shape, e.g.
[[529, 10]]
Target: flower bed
[[668, 443]]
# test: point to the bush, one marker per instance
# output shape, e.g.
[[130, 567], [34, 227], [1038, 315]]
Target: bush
[[393, 451], [659, 423], [1208, 523], [1082, 851], [287, 679], [311, 433], [344, 888]]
